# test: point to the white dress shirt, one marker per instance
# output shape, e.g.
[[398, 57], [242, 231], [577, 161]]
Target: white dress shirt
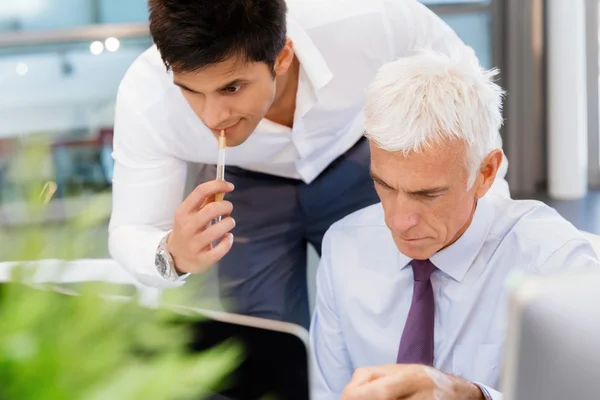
[[340, 45], [365, 285]]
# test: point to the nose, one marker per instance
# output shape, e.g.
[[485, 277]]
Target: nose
[[404, 217], [215, 113]]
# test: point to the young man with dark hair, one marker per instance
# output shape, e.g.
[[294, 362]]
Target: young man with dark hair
[[286, 82]]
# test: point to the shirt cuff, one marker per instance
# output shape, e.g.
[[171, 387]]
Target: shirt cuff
[[489, 393], [134, 248]]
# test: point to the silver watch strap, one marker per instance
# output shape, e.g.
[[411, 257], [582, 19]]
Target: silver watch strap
[[164, 262]]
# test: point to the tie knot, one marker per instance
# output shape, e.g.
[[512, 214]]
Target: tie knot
[[422, 269]]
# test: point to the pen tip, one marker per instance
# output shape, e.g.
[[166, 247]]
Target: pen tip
[[222, 132]]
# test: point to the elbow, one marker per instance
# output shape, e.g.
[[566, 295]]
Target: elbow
[[113, 247]]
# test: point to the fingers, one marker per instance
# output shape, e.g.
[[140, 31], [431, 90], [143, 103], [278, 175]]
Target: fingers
[[207, 257], [190, 240], [216, 253], [195, 253], [383, 388], [360, 385], [384, 382], [202, 192], [403, 379], [360, 377], [213, 233], [199, 220]]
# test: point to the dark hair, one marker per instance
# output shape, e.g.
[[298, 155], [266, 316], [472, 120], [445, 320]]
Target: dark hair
[[193, 34]]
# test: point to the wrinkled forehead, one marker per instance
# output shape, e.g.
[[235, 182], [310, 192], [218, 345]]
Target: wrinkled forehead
[[431, 152], [443, 161]]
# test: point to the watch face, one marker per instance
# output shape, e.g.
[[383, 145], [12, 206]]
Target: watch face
[[161, 265]]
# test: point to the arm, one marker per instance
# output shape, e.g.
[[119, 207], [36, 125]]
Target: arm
[[147, 189], [330, 362]]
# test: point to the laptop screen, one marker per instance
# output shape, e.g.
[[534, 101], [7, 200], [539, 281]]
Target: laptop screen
[[275, 362]]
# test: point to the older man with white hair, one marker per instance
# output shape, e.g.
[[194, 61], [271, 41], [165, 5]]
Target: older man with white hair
[[411, 299]]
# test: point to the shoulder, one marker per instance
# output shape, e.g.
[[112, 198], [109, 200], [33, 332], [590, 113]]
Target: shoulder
[[368, 217], [539, 233], [359, 247], [338, 28], [152, 118], [359, 231], [146, 82], [534, 220], [314, 13], [311, 14]]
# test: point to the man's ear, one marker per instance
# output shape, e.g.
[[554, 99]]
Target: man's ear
[[487, 172], [285, 58]]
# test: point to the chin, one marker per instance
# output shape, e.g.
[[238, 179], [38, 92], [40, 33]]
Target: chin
[[238, 135], [235, 141], [415, 251]]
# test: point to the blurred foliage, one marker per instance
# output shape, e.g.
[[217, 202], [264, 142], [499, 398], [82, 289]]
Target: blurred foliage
[[91, 341], [30, 228]]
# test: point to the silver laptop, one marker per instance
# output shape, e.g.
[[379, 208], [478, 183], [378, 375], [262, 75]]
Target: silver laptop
[[553, 340]]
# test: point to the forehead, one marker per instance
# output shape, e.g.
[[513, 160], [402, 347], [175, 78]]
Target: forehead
[[218, 74], [444, 161]]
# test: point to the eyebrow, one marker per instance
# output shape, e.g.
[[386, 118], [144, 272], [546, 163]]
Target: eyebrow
[[181, 85], [429, 191], [229, 84], [420, 192], [380, 181]]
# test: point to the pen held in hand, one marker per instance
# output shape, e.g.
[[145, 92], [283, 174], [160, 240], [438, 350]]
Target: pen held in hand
[[221, 168], [221, 163]]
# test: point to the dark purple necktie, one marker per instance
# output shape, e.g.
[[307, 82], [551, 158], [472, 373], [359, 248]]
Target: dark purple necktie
[[416, 345]]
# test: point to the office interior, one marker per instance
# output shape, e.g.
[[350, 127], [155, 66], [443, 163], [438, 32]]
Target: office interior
[[61, 62]]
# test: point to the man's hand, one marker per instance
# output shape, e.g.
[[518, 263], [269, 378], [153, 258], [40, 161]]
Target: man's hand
[[410, 382], [190, 240]]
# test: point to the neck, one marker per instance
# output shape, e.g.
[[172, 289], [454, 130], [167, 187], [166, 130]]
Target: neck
[[283, 107]]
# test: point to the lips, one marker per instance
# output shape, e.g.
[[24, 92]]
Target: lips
[[413, 240], [227, 127]]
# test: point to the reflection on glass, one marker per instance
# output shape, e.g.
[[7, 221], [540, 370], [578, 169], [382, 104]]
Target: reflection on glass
[[30, 15], [65, 95]]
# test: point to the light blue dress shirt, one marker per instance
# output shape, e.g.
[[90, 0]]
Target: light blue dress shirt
[[365, 285]]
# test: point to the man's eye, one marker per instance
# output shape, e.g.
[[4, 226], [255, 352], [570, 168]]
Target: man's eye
[[232, 89], [382, 185], [430, 196]]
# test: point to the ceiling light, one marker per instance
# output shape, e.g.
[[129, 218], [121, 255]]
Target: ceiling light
[[96, 48], [22, 69], [112, 44]]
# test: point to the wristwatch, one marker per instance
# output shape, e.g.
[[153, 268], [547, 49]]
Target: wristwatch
[[165, 265]]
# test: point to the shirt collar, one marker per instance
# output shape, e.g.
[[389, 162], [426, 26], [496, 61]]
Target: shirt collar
[[456, 259], [311, 60]]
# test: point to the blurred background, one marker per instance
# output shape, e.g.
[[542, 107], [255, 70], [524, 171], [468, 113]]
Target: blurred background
[[61, 62]]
